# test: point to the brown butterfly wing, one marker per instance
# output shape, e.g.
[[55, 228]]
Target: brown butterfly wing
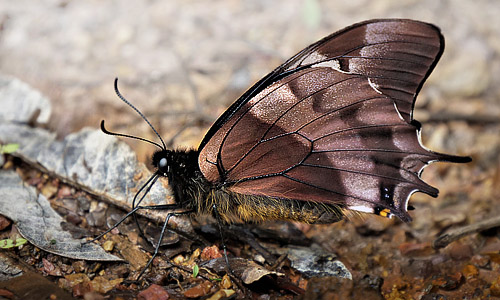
[[333, 124], [397, 55]]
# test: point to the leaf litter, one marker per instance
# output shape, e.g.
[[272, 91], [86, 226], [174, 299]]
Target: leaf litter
[[88, 179]]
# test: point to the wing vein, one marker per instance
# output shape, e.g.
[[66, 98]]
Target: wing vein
[[368, 173], [368, 45], [261, 140]]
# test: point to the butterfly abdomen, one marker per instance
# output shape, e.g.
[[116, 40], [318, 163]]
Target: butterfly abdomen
[[234, 207]]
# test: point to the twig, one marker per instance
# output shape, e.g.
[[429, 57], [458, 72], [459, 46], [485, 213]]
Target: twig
[[471, 119], [455, 234]]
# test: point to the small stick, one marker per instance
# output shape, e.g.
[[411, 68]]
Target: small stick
[[443, 117], [455, 234]]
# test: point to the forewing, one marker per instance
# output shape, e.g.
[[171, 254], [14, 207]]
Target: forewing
[[333, 124], [397, 56]]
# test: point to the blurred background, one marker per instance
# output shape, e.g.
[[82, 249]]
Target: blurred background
[[182, 63]]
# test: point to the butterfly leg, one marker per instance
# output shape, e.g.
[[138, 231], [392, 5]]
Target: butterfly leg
[[147, 186], [219, 224], [229, 271], [132, 212], [164, 228]]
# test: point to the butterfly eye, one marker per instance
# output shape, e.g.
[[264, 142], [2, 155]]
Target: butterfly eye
[[162, 163]]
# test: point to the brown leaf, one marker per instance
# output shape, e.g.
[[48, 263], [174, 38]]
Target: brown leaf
[[248, 271]]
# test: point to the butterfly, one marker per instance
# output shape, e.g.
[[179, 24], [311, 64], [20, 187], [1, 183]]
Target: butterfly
[[329, 131]]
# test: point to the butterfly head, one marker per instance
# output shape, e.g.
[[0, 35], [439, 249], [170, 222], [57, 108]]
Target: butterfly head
[[168, 163], [162, 162]]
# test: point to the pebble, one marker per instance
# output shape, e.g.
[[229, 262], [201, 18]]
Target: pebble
[[210, 253], [373, 225], [108, 245], [222, 294], [199, 290], [226, 282], [4, 222], [416, 249], [449, 217], [480, 261], [459, 251], [153, 292], [470, 271], [449, 282], [495, 288], [103, 285], [79, 266]]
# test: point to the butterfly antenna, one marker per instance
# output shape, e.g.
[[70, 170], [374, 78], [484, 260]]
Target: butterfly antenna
[[128, 136], [140, 114]]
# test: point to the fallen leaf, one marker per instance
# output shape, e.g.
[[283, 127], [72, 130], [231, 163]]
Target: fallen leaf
[[30, 212], [248, 271]]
